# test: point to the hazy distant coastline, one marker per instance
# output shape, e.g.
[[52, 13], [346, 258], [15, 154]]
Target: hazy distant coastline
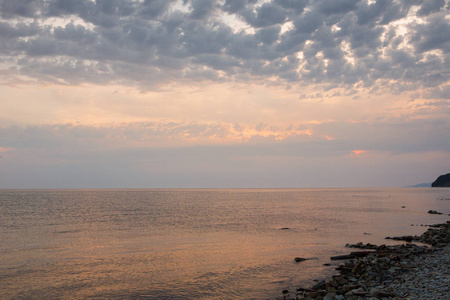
[[441, 181], [420, 185]]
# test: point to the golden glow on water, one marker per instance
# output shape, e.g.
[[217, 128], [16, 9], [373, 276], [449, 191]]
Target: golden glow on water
[[191, 243]]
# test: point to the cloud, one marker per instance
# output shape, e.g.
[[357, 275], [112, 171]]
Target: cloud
[[3, 149], [267, 14], [142, 154], [358, 152], [340, 44], [202, 9], [217, 62], [23, 8], [154, 8], [268, 35], [296, 6], [19, 30], [373, 13], [430, 6], [432, 35], [143, 135], [440, 93], [337, 7], [395, 135]]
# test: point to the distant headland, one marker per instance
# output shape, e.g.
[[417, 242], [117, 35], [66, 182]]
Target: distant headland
[[442, 181], [428, 184]]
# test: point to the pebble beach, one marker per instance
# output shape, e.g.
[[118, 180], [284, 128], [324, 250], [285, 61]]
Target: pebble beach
[[417, 269]]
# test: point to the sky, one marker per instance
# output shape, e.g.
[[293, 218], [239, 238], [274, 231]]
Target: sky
[[223, 93]]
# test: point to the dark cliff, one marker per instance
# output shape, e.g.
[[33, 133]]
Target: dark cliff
[[442, 181]]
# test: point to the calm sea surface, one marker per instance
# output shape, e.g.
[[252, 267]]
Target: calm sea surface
[[193, 244]]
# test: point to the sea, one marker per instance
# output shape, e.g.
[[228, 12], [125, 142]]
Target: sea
[[194, 243]]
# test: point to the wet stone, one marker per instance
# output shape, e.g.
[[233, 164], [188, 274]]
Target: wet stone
[[393, 272], [300, 259]]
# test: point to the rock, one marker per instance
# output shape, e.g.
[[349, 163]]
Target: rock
[[384, 272], [359, 292], [360, 253], [319, 285], [357, 266], [360, 245], [381, 294], [433, 212], [341, 257], [344, 270], [329, 296], [351, 255], [311, 294], [406, 238], [442, 181], [381, 247], [299, 259]]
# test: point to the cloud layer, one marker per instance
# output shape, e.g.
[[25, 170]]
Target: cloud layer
[[395, 45], [333, 154]]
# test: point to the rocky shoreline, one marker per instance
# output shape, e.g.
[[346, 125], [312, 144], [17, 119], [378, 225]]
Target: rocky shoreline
[[406, 271]]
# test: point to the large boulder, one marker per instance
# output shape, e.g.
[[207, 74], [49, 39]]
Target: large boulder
[[442, 181]]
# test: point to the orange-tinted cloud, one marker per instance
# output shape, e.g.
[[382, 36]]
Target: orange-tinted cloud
[[358, 152], [3, 149]]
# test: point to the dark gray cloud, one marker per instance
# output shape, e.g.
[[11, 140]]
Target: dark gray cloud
[[297, 6], [23, 8], [371, 14], [267, 15], [218, 62], [339, 43], [154, 8], [202, 9], [430, 6], [336, 7], [198, 38], [20, 30], [235, 6], [395, 12], [268, 35], [104, 13], [435, 34], [75, 33]]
